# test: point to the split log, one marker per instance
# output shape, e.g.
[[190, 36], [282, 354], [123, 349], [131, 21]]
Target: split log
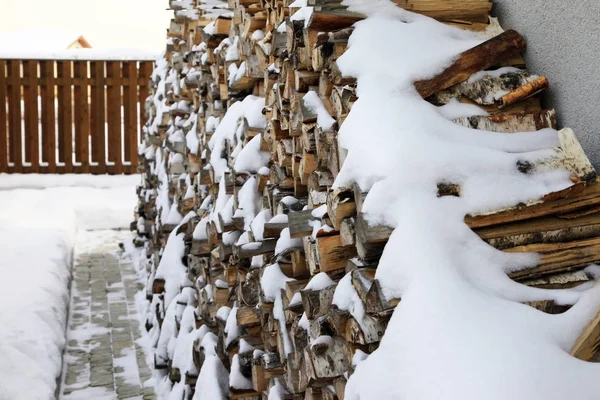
[[580, 196], [250, 250], [524, 92], [273, 230], [325, 364], [587, 347], [332, 254], [490, 53], [450, 10], [511, 123], [376, 302], [317, 302], [340, 205], [550, 229], [300, 223], [366, 233], [566, 280], [558, 257]]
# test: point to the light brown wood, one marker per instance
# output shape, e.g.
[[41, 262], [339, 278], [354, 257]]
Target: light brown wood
[[332, 254], [65, 116], [511, 123], [482, 57], [524, 92], [317, 302], [340, 205], [575, 197], [30, 101], [14, 115], [81, 114], [558, 257], [3, 117], [588, 344], [450, 10]]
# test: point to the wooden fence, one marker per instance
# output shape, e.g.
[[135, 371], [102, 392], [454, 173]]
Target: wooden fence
[[71, 116]]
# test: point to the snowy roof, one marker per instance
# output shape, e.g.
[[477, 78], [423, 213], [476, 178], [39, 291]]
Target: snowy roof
[[39, 41], [56, 45]]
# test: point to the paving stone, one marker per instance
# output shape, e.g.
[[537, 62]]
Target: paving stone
[[73, 379], [104, 288], [99, 365], [68, 391], [121, 324], [101, 339], [126, 392], [100, 382], [119, 346], [76, 352], [148, 393], [101, 352], [120, 337]]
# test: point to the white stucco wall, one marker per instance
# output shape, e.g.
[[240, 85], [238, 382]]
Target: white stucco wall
[[563, 40]]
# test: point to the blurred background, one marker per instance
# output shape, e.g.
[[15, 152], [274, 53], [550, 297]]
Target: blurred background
[[104, 24]]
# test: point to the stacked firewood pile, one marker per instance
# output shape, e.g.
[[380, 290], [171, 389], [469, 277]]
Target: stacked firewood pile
[[258, 269]]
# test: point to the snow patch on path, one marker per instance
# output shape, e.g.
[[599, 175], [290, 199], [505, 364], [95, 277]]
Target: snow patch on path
[[37, 231]]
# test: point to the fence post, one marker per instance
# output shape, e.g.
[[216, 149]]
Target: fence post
[[113, 90], [14, 111], [3, 119], [48, 95], [144, 82], [98, 116], [31, 114], [65, 115], [82, 116], [130, 107]]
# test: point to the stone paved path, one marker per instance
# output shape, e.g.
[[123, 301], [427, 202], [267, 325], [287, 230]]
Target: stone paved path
[[103, 358]]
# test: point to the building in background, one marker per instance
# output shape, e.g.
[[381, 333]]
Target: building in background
[[41, 42], [80, 43]]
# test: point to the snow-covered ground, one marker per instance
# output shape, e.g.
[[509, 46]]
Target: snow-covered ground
[[39, 219]]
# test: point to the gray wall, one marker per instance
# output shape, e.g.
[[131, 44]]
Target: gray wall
[[563, 39]]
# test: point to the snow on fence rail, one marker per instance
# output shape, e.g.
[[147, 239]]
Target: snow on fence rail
[[71, 116]]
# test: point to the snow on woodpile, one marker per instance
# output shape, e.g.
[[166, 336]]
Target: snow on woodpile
[[39, 220], [459, 316], [357, 202]]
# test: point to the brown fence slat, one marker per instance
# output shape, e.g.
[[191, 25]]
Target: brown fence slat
[[31, 114], [144, 91], [81, 112], [98, 116], [113, 111], [65, 116], [14, 115], [3, 120], [130, 110], [48, 115], [144, 73]]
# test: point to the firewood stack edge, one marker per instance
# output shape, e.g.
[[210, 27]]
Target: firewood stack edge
[[244, 239]]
